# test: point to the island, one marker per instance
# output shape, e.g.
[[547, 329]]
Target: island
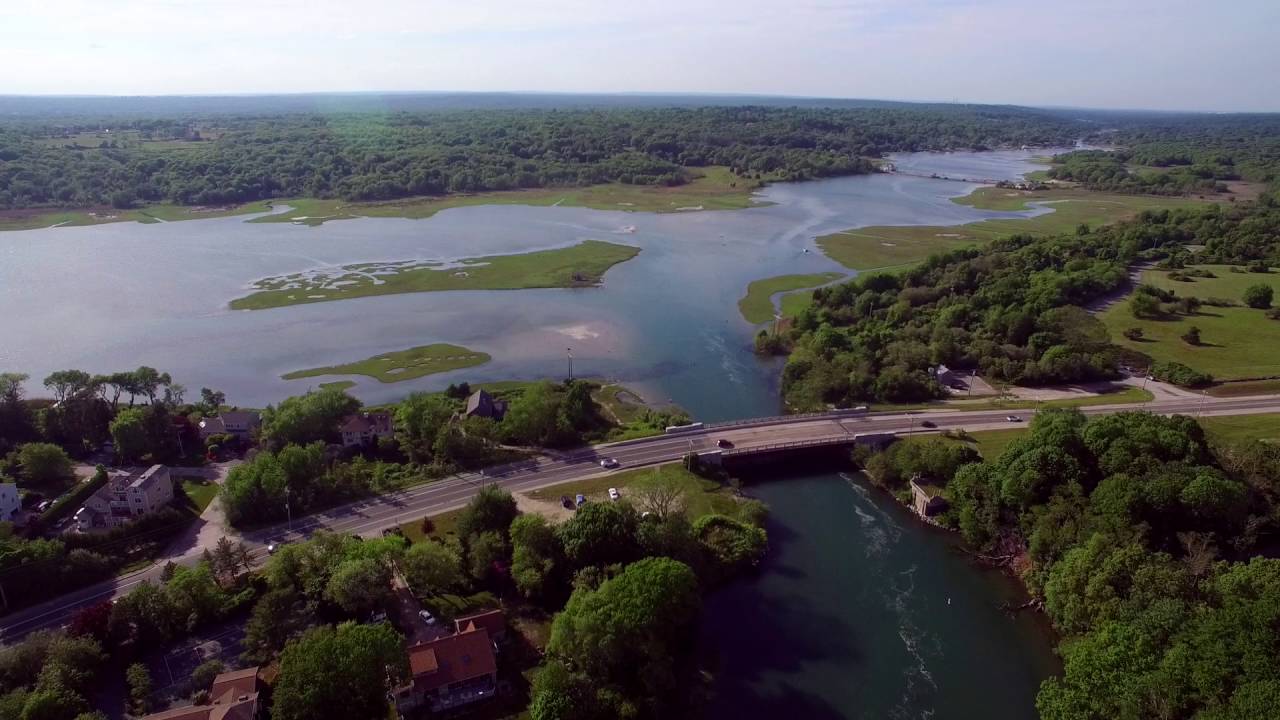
[[401, 365], [582, 265]]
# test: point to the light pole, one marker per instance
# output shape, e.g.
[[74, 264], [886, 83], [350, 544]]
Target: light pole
[[569, 353], [287, 509]]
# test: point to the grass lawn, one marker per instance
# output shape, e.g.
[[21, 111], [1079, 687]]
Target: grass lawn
[[1238, 342], [702, 496], [200, 491], [757, 307], [1241, 428], [444, 526], [1244, 387], [889, 246], [715, 188], [36, 219], [403, 365], [1126, 394], [621, 404], [582, 265]]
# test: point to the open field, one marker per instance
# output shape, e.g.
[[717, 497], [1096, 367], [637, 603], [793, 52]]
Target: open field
[[403, 364], [582, 265], [1244, 387], [200, 491], [716, 189], [338, 385], [701, 496], [888, 246], [1238, 342], [44, 218], [757, 306], [1120, 396], [1242, 428]]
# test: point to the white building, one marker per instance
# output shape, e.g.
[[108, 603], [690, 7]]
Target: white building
[[241, 423], [127, 496], [9, 502]]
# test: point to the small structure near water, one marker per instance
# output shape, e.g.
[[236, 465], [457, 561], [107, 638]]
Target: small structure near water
[[926, 499]]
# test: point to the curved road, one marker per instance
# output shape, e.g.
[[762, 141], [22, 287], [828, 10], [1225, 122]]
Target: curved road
[[370, 516]]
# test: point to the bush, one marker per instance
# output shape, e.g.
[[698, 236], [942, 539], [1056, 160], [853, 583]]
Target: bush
[[1179, 374], [1133, 333], [1191, 336], [1258, 296]]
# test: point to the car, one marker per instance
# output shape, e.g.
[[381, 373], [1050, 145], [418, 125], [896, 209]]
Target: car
[[614, 494], [272, 548], [928, 424], [608, 463], [427, 617], [723, 443], [44, 506], [580, 499], [1013, 418]]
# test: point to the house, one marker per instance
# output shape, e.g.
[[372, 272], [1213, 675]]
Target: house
[[493, 622], [926, 499], [945, 376], [482, 404], [241, 423], [233, 696], [366, 428], [451, 671], [10, 503], [126, 497]]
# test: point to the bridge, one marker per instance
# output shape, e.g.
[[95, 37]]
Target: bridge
[[371, 516]]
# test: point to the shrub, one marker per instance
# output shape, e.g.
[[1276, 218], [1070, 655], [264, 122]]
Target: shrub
[[1191, 336], [1133, 333], [1179, 374], [1258, 296]]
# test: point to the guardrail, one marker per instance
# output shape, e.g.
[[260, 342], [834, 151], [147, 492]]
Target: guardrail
[[793, 445], [783, 419]]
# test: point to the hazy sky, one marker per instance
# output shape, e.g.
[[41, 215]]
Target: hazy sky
[[1174, 54]]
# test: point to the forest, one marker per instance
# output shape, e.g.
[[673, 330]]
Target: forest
[[1012, 309], [1148, 546], [220, 159]]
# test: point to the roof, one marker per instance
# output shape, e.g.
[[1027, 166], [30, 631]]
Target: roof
[[452, 659], [240, 417], [242, 681], [233, 696], [480, 402], [147, 476], [492, 621], [188, 712], [213, 425], [928, 490], [377, 422]]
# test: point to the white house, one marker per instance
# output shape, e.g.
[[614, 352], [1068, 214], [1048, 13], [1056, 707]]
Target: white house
[[127, 496], [9, 502], [366, 428]]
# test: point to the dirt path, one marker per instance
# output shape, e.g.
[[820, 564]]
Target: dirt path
[[1135, 279]]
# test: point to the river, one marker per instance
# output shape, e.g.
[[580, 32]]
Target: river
[[858, 611]]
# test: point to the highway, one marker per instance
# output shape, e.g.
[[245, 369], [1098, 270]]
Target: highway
[[370, 516]]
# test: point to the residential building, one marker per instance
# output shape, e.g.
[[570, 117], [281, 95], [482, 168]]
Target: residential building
[[233, 696], [241, 423], [945, 376], [493, 622], [126, 497], [10, 503], [926, 499], [452, 671], [367, 428], [482, 404]]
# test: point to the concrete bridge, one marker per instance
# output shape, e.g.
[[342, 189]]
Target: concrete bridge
[[756, 436]]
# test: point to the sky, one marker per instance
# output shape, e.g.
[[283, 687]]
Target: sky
[[1149, 54]]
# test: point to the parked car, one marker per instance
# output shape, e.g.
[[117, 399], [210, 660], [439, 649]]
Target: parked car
[[44, 506], [1013, 418], [427, 617], [566, 501], [614, 494], [580, 499], [723, 443], [608, 463], [929, 424], [272, 548]]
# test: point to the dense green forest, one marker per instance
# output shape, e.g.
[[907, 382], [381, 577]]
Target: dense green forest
[[1012, 309], [1144, 542], [64, 161]]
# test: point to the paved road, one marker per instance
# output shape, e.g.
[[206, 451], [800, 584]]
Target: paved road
[[372, 515]]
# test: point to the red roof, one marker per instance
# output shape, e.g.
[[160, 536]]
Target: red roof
[[492, 621], [452, 659]]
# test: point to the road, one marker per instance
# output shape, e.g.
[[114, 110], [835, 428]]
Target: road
[[370, 516]]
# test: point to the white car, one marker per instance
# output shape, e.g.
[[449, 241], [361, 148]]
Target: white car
[[1013, 418], [614, 494], [427, 617], [271, 549], [608, 463]]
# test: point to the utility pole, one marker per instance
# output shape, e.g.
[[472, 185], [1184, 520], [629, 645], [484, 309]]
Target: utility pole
[[569, 352], [288, 510]]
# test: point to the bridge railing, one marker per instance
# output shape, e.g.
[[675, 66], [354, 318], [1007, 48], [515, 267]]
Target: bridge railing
[[782, 419], [792, 445]]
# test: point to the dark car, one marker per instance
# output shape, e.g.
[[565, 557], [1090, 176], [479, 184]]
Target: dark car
[[929, 424], [723, 443]]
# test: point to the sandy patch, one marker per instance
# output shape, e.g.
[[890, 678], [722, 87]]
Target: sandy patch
[[552, 511]]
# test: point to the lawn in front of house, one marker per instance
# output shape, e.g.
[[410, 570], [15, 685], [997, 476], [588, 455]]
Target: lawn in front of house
[[757, 305], [403, 364], [582, 265], [889, 246], [201, 491], [1237, 342]]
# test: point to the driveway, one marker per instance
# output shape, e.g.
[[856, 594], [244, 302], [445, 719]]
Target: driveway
[[204, 533]]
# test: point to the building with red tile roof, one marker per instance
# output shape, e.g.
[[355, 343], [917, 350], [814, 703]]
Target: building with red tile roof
[[451, 671]]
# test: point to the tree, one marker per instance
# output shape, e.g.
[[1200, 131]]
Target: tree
[[211, 400], [67, 383], [16, 422], [419, 420], [44, 464], [359, 585], [536, 555], [129, 433], [732, 545], [276, 617], [139, 681], [1133, 333], [340, 673], [661, 496], [431, 567], [1191, 336], [1144, 306], [600, 534], [148, 381], [491, 509], [202, 677], [484, 551], [312, 417], [1258, 296]]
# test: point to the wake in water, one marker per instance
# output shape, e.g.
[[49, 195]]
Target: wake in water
[[878, 526], [920, 690]]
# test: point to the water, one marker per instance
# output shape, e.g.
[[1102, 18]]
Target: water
[[860, 611], [115, 296]]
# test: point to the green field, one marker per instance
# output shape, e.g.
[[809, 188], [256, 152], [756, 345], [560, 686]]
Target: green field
[[338, 385], [582, 265], [34, 220], [1242, 428], [701, 496], [200, 491], [1238, 342], [403, 364], [757, 306], [716, 188], [889, 246]]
